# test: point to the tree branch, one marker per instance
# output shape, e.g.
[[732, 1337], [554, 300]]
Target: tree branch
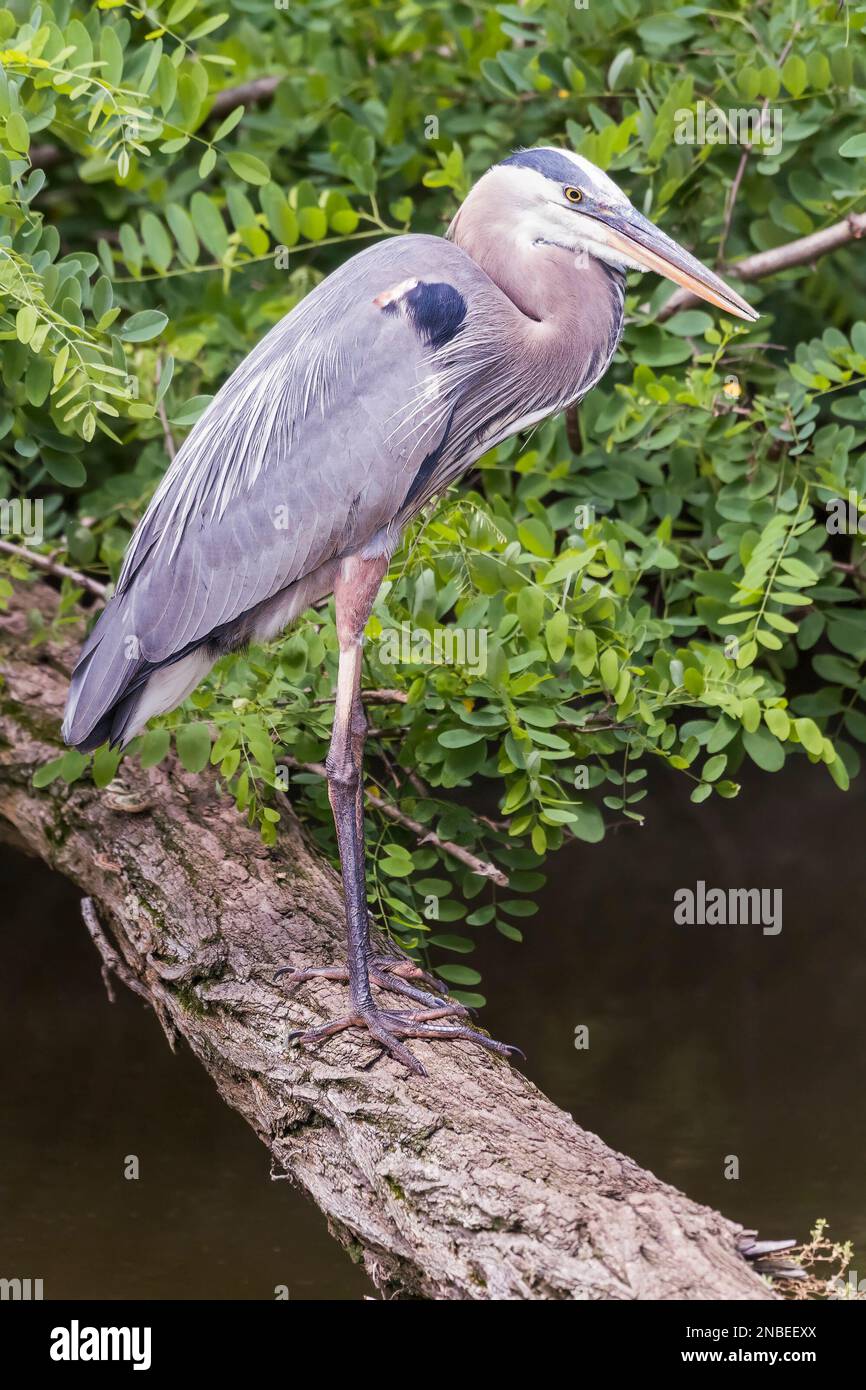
[[49, 566], [253, 93], [468, 1185]]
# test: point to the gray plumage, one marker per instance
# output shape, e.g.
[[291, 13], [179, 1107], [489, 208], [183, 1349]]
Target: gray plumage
[[308, 452], [376, 392]]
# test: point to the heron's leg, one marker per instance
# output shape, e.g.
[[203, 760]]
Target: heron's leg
[[355, 591], [344, 766]]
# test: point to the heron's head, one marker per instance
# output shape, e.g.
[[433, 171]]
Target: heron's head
[[551, 197]]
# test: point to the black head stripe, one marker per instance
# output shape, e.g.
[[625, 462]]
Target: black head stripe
[[551, 164]]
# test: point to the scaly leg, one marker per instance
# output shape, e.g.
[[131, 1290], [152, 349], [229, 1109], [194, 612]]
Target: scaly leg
[[355, 591]]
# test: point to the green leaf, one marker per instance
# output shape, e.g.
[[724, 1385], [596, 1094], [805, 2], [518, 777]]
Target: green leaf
[[714, 767], [585, 648], [190, 411], [193, 746], [519, 907], [209, 225], [227, 126], [764, 749], [47, 773], [536, 537], [72, 765], [854, 147], [689, 323], [105, 764], [530, 609], [778, 723], [794, 75], [556, 635], [461, 944], [809, 735], [141, 327], [313, 223], [25, 323], [154, 746], [839, 773], [17, 133], [157, 242], [281, 218], [395, 868], [249, 168], [608, 666], [65, 469], [458, 974], [207, 26], [460, 738]]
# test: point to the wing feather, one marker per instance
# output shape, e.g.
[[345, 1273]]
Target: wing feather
[[295, 461]]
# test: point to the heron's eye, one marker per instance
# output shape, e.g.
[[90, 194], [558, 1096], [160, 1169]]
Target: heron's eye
[[573, 195]]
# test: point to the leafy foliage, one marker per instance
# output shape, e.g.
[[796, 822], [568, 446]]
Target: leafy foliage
[[663, 592]]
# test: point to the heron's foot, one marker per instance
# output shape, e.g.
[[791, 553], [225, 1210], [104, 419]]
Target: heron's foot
[[389, 1026], [404, 968], [386, 972]]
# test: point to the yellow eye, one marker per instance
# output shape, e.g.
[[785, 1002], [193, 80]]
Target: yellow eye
[[573, 195]]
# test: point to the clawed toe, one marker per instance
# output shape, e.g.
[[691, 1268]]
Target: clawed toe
[[388, 1026], [406, 969], [426, 1020], [320, 972], [386, 973]]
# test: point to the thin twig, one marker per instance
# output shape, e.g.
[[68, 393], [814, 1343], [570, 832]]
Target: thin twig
[[744, 158], [372, 697], [252, 93], [44, 562], [732, 196], [482, 867], [170, 446], [113, 963]]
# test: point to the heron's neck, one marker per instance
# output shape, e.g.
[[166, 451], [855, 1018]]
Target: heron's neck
[[562, 294]]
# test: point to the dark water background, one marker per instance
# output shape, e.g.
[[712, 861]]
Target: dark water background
[[704, 1042]]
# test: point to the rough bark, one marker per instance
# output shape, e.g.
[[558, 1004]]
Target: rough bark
[[468, 1185]]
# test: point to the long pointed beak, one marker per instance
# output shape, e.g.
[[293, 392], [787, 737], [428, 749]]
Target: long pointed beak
[[642, 242]]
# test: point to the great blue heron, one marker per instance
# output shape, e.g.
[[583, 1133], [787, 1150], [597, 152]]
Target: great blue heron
[[376, 392]]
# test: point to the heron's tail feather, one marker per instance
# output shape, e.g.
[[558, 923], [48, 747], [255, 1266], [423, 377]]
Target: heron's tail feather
[[115, 690]]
